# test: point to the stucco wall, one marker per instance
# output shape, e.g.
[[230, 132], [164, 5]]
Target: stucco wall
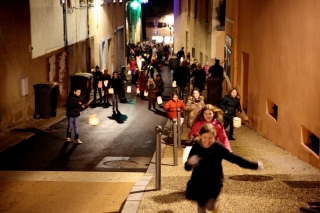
[[280, 40], [40, 24], [201, 30], [16, 63]]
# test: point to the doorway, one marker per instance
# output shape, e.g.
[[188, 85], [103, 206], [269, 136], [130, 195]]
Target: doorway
[[245, 71]]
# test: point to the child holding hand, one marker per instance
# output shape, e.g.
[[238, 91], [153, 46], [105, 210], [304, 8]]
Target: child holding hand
[[205, 160]]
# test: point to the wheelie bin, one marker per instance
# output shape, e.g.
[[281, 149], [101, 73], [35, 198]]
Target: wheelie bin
[[46, 100], [82, 81]]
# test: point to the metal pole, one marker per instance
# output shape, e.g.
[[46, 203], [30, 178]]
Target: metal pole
[[158, 157], [175, 150], [179, 127]]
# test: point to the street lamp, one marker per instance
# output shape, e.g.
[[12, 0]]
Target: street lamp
[[134, 4]]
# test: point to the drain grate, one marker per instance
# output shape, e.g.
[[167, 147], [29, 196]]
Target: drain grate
[[252, 178], [121, 164], [303, 184]]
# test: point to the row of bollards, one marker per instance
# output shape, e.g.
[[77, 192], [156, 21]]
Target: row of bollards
[[177, 130]]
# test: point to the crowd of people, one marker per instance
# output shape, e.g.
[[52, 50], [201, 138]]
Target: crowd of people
[[207, 123]]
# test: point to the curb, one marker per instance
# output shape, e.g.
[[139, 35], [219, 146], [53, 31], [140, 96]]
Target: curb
[[134, 198], [28, 135]]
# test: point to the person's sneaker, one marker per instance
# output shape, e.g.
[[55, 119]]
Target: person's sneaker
[[78, 141], [231, 138], [68, 139]]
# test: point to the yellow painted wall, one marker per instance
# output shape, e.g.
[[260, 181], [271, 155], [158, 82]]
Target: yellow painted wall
[[201, 29], [279, 40]]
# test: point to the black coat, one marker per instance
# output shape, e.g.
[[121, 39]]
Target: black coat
[[182, 76], [116, 84], [230, 106], [216, 71], [97, 76], [199, 78], [108, 78], [173, 63], [207, 177], [73, 106]]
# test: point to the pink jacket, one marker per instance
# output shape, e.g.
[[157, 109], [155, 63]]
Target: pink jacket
[[220, 133]]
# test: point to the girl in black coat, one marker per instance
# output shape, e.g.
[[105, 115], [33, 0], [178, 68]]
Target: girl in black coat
[[73, 112], [105, 86], [116, 84], [205, 159], [230, 104]]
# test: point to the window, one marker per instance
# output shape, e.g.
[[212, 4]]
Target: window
[[272, 109], [310, 140], [227, 61]]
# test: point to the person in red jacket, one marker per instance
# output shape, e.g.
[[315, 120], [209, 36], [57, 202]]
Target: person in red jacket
[[142, 83], [210, 115], [171, 107]]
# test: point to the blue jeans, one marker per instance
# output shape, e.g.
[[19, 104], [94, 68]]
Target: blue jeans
[[115, 101], [172, 71], [73, 124]]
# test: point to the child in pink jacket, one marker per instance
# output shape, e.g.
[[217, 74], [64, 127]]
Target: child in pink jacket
[[213, 115]]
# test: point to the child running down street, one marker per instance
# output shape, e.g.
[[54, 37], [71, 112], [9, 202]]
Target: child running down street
[[205, 160]]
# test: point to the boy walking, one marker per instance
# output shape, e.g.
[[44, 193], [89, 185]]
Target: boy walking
[[73, 112]]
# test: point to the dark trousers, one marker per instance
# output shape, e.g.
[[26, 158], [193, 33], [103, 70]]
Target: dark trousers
[[106, 96], [228, 121], [152, 101], [95, 93], [142, 94]]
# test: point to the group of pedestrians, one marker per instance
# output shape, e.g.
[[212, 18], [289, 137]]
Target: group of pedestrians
[[207, 123], [210, 141]]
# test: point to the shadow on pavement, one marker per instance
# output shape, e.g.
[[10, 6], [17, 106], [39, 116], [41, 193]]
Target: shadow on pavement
[[173, 197], [120, 118], [62, 160]]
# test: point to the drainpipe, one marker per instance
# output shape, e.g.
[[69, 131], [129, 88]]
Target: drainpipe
[[65, 24], [89, 40]]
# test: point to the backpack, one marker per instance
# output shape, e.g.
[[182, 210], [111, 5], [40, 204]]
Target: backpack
[[155, 72]]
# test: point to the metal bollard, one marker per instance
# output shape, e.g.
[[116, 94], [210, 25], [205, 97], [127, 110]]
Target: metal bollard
[[158, 157], [175, 142], [179, 127]]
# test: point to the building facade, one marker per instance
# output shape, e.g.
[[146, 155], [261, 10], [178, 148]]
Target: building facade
[[195, 29], [269, 50], [48, 41], [273, 48]]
